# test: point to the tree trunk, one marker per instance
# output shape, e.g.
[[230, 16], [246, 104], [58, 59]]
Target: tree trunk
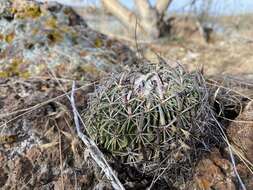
[[119, 11], [149, 19], [162, 6], [143, 7]]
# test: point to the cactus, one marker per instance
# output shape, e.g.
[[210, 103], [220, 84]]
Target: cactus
[[155, 118]]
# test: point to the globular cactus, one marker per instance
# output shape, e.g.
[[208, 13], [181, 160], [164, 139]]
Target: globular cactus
[[153, 119]]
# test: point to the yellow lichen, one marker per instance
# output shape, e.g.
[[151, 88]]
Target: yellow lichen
[[13, 10], [29, 11], [14, 69], [54, 36], [9, 37], [51, 23], [3, 74], [8, 139], [25, 75], [98, 43], [67, 11], [65, 29]]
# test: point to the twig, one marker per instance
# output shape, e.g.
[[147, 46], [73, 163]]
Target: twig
[[95, 153], [226, 88]]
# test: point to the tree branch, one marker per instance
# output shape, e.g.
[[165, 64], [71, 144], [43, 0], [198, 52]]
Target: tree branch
[[120, 12], [128, 18], [162, 6], [144, 7]]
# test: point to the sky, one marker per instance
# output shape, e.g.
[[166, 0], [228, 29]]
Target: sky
[[223, 7]]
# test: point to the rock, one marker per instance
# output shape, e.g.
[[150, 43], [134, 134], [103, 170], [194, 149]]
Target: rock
[[35, 37], [39, 168], [3, 177], [246, 175], [213, 172], [240, 132], [34, 159], [21, 169], [71, 181], [216, 172]]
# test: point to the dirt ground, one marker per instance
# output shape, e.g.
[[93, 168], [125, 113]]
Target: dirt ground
[[227, 53], [223, 57]]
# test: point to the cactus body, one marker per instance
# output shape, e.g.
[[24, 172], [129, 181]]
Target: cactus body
[[154, 119]]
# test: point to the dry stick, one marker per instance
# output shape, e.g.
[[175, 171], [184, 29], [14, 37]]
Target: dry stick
[[95, 153], [238, 121], [226, 88]]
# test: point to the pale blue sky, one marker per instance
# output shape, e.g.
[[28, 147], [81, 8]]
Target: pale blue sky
[[219, 6]]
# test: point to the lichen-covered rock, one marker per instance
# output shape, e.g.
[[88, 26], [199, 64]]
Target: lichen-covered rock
[[35, 37]]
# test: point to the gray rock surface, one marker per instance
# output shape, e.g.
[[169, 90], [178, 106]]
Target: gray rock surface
[[36, 37]]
